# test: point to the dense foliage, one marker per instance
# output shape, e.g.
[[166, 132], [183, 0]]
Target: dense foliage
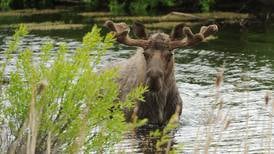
[[144, 7], [206, 5], [61, 103], [5, 4]]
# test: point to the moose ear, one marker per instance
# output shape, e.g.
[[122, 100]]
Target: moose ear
[[139, 30], [177, 32]]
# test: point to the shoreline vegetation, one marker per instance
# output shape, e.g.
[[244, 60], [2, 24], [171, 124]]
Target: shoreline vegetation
[[155, 14], [61, 103], [166, 21]]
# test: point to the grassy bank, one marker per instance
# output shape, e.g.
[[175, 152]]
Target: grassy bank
[[51, 19]]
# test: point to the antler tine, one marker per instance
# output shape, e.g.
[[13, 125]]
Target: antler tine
[[211, 29], [193, 39], [121, 31]]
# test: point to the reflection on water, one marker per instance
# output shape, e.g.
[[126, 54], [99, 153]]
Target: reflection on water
[[246, 81], [247, 58]]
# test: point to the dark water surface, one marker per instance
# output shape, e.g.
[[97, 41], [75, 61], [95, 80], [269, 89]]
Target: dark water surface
[[247, 57]]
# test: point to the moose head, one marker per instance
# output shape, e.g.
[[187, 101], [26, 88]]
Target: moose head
[[158, 48]]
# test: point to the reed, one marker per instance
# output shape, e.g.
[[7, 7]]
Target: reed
[[269, 102]]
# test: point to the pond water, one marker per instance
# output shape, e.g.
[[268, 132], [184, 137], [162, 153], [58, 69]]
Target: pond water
[[244, 123]]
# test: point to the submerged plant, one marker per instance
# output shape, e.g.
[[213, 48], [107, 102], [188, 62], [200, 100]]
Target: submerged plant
[[61, 103], [164, 136]]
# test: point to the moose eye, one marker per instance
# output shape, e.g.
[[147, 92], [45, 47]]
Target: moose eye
[[169, 56], [146, 55]]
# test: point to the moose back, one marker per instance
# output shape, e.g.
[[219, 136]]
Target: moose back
[[153, 66]]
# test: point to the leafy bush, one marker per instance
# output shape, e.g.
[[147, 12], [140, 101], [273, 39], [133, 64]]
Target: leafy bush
[[60, 103], [134, 7], [139, 7], [116, 8], [164, 136], [206, 5], [96, 5], [143, 7], [5, 4]]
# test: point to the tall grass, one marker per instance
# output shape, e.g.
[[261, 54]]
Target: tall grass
[[219, 122], [61, 103]]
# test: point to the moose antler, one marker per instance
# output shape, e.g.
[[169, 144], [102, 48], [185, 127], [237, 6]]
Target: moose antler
[[193, 39], [121, 31]]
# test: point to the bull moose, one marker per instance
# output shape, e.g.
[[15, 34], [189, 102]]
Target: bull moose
[[153, 66]]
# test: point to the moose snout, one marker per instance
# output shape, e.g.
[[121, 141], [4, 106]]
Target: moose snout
[[154, 79]]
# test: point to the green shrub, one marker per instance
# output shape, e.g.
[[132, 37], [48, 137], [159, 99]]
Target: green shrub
[[60, 103], [94, 4], [206, 5], [144, 7], [5, 4], [164, 136], [116, 8], [139, 7], [134, 7]]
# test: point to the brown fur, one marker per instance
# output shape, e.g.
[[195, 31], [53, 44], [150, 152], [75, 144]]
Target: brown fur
[[153, 66], [159, 106]]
